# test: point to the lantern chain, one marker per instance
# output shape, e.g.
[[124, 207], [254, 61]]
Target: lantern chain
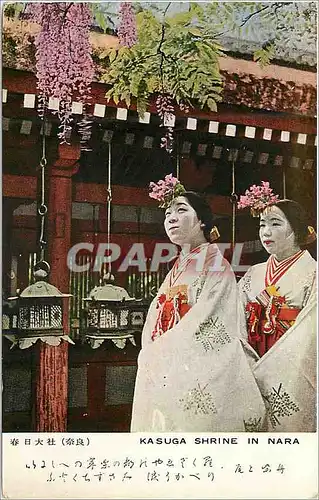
[[43, 209], [177, 158], [109, 201], [284, 192], [233, 199]]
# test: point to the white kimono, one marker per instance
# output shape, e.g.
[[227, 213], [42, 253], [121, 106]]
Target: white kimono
[[195, 376], [286, 373]]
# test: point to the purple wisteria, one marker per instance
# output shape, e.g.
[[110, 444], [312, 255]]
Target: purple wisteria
[[165, 110], [126, 31], [64, 65]]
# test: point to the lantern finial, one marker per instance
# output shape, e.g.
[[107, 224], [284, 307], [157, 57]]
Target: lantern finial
[[108, 278], [41, 270]]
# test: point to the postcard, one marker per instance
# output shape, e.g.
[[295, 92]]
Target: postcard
[[159, 252]]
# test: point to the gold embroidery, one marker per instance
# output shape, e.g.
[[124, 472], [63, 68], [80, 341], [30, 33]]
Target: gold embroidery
[[272, 290], [175, 290]]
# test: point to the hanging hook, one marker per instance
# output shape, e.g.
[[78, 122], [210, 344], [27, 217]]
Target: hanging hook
[[108, 195], [42, 210]]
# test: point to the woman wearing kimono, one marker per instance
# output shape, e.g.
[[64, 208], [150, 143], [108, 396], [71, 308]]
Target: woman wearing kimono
[[279, 298], [193, 374]]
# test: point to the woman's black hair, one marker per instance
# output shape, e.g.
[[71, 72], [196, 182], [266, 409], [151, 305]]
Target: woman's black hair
[[297, 218], [202, 209]]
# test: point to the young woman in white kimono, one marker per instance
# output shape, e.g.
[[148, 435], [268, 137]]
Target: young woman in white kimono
[[279, 297], [193, 374]]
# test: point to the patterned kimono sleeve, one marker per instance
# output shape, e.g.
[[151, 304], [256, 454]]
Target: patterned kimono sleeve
[[216, 290], [309, 285], [217, 299], [310, 288]]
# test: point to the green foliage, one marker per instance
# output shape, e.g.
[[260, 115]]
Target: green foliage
[[13, 9], [9, 49], [18, 50], [289, 27], [171, 58], [178, 47], [264, 55], [103, 16]]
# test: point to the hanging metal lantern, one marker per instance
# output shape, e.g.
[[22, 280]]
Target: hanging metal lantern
[[110, 311], [40, 307]]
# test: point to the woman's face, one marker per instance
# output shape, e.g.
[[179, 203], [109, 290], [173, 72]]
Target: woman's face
[[275, 232], [181, 222]]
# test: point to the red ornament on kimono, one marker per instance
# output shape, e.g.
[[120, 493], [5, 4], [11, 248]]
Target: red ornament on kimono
[[268, 319], [170, 311]]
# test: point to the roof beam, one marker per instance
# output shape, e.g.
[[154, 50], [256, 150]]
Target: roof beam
[[19, 82]]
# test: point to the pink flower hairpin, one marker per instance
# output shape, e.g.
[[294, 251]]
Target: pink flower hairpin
[[257, 198], [166, 190]]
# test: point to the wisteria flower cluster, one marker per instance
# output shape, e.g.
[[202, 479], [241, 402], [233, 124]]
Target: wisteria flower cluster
[[127, 31], [257, 198], [166, 190], [165, 110], [63, 57]]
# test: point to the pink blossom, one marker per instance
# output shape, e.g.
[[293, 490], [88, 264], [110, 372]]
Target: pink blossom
[[170, 180], [258, 197], [165, 190]]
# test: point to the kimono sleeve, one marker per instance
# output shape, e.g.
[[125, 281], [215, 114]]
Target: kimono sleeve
[[244, 287]]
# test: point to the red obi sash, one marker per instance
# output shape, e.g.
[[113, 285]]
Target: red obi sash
[[171, 308], [267, 323]]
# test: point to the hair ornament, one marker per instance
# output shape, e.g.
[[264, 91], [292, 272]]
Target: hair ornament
[[257, 198], [312, 235], [166, 190], [214, 234]]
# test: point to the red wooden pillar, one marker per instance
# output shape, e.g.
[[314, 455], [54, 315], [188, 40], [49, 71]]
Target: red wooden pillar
[[51, 383]]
